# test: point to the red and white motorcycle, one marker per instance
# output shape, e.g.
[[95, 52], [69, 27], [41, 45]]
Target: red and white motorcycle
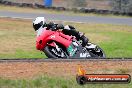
[[55, 44]]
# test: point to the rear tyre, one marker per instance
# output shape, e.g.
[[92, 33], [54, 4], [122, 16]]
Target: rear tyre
[[96, 52], [99, 52]]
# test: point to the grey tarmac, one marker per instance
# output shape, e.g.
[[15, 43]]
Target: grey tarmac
[[70, 18]]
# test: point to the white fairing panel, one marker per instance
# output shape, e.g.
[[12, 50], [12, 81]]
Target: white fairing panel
[[40, 30]]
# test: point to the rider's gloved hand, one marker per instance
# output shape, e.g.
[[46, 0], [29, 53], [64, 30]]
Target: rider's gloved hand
[[83, 38], [60, 26], [52, 26]]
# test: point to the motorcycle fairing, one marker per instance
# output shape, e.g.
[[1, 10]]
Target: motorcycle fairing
[[49, 35]]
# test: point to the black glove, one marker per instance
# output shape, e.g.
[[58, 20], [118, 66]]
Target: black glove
[[51, 26], [60, 26]]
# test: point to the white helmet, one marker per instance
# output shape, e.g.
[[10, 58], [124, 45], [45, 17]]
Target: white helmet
[[38, 22]]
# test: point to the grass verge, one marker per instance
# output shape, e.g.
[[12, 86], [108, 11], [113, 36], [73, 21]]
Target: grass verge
[[53, 82], [18, 38]]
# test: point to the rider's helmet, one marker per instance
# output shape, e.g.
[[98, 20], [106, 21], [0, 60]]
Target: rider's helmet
[[38, 22]]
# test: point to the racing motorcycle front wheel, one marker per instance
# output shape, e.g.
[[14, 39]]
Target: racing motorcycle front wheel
[[54, 52]]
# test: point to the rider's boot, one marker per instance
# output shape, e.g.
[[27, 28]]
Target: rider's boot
[[83, 38]]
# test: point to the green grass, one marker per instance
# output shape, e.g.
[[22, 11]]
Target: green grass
[[120, 45], [18, 38], [53, 82]]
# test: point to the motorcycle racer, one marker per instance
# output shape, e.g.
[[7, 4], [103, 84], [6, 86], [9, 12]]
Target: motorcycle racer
[[40, 22]]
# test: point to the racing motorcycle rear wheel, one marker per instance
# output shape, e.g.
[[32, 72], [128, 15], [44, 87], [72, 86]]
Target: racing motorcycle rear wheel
[[97, 52]]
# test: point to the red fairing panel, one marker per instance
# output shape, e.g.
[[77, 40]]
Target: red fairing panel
[[49, 35], [41, 38]]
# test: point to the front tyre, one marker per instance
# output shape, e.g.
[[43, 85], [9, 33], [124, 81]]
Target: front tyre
[[52, 52]]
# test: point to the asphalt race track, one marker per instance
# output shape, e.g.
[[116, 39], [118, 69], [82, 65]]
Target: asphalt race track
[[69, 18]]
